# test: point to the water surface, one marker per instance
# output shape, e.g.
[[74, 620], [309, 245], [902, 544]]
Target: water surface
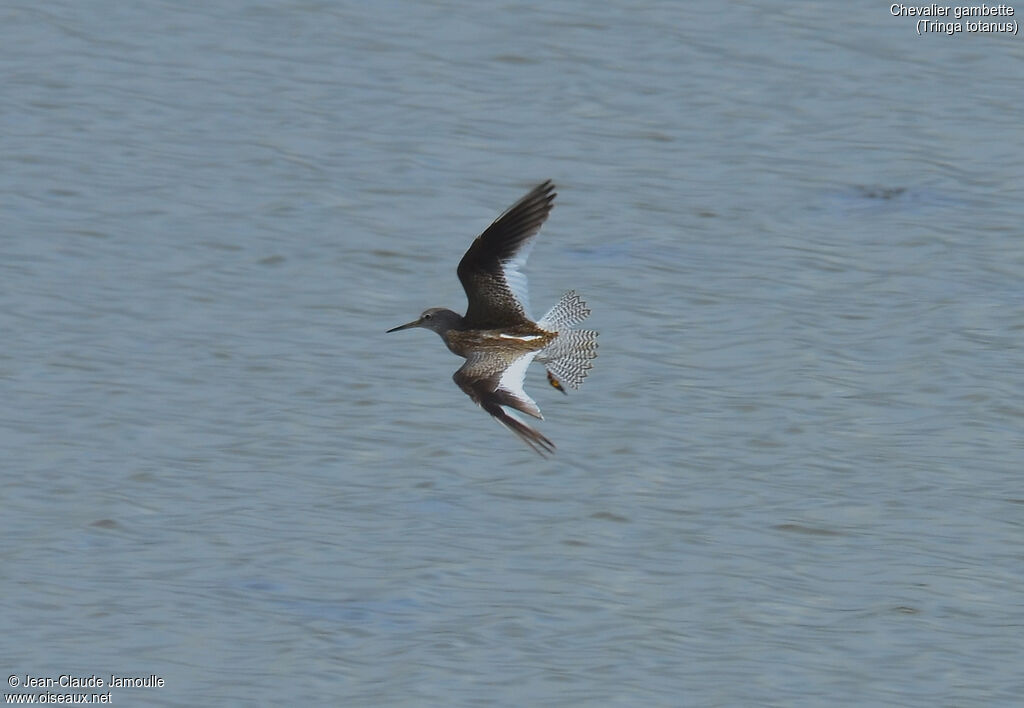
[[793, 477]]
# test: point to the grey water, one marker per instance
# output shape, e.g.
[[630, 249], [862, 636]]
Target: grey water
[[793, 477]]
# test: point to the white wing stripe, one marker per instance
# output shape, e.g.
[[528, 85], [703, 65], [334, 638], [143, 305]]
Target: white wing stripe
[[514, 276], [521, 338], [512, 381]]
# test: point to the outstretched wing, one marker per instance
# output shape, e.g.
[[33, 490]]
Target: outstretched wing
[[491, 269], [495, 381]]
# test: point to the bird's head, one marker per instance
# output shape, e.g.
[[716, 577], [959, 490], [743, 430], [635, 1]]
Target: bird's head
[[438, 319]]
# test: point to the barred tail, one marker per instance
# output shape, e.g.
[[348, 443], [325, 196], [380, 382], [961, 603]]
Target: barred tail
[[569, 312], [567, 358]]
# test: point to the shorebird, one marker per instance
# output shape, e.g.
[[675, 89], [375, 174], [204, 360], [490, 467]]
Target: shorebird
[[497, 336]]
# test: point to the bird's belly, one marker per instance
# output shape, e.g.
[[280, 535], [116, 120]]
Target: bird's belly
[[466, 342]]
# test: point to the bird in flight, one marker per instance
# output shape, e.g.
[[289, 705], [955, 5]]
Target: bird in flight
[[497, 337]]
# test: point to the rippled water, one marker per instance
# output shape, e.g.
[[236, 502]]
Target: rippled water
[[793, 477]]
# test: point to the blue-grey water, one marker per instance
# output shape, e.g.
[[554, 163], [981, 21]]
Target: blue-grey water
[[795, 476]]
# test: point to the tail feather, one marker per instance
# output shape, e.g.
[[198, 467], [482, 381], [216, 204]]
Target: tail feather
[[567, 358], [569, 312]]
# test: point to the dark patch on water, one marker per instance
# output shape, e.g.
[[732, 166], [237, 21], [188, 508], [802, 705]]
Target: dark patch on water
[[807, 530], [884, 199], [609, 516], [877, 192]]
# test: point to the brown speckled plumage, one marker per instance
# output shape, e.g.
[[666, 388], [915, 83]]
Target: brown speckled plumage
[[496, 336], [492, 303]]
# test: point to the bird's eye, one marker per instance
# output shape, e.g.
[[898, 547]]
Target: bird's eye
[[427, 316]]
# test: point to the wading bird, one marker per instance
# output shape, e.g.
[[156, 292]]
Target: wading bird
[[497, 336]]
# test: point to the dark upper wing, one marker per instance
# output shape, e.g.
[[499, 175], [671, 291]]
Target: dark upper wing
[[494, 380], [491, 269]]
